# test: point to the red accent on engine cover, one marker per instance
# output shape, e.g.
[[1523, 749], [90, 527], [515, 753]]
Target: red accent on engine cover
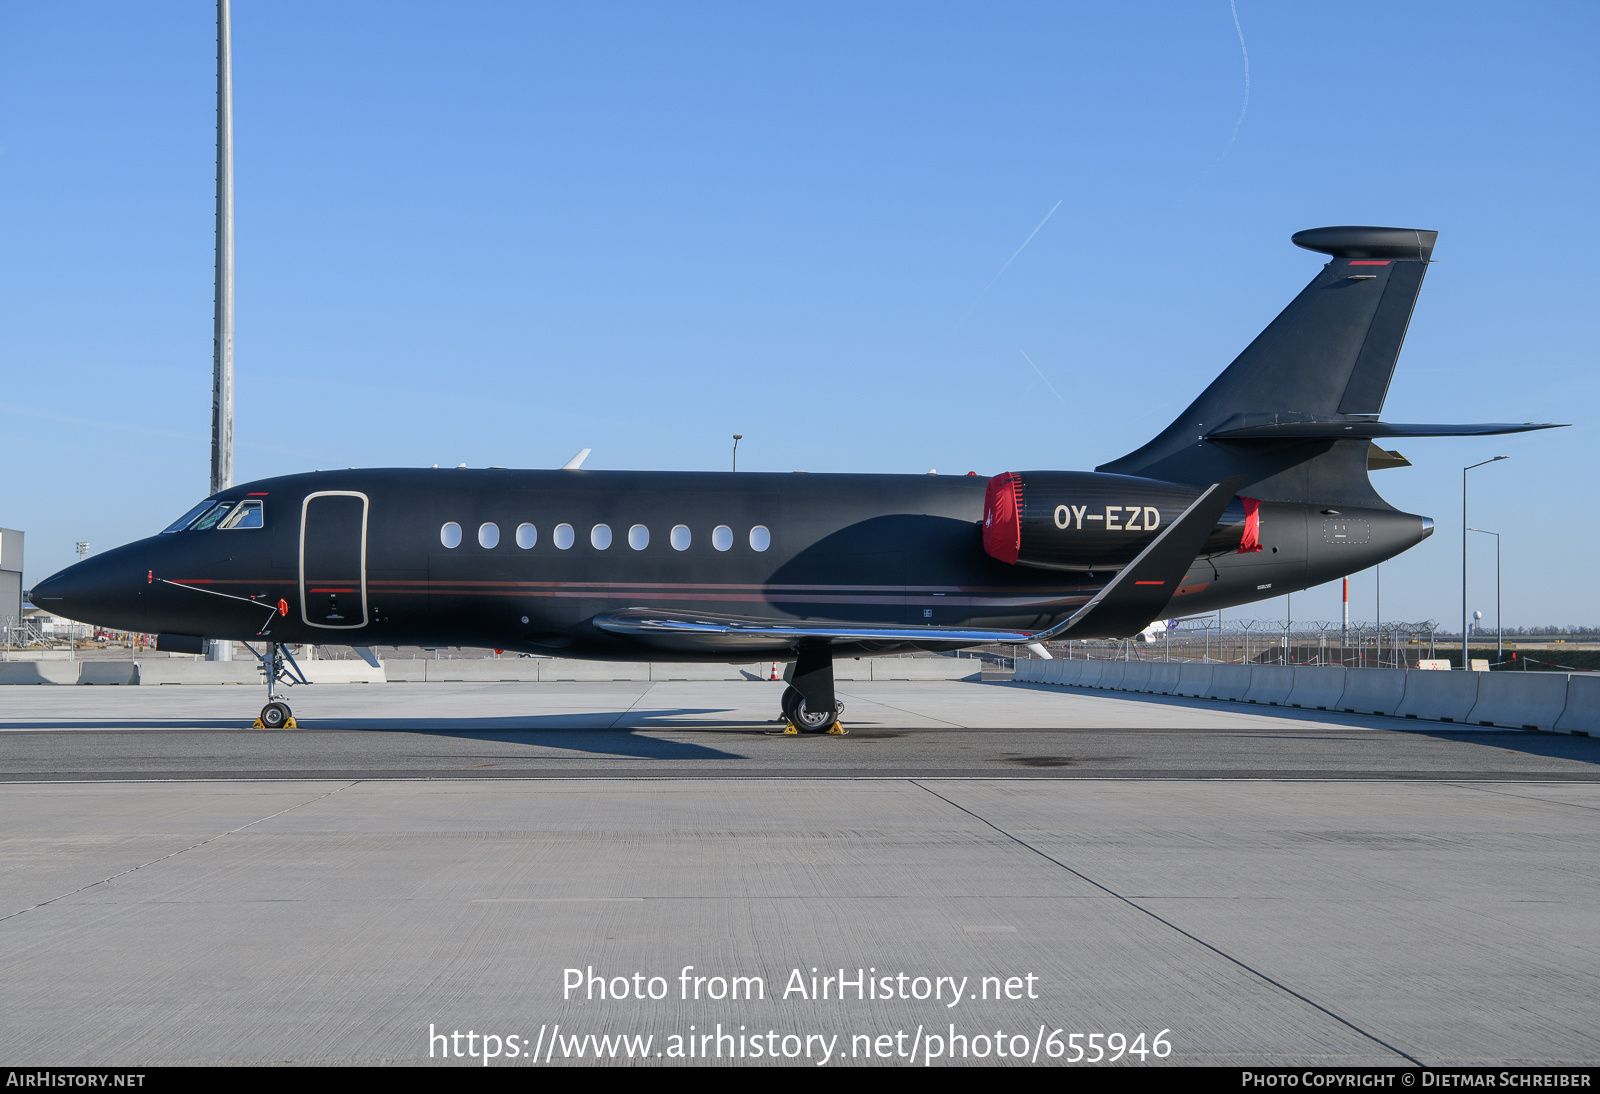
[[1002, 524], [1251, 541]]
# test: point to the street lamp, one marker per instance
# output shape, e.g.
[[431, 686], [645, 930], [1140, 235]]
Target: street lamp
[[737, 437], [1466, 656], [1499, 633]]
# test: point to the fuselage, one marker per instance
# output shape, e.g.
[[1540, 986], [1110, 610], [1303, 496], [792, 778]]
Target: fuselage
[[524, 560]]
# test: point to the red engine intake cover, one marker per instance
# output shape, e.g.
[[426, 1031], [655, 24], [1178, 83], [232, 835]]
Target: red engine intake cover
[[1002, 522]]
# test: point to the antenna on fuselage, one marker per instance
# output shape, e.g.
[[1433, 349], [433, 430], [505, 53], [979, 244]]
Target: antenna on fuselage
[[576, 461], [222, 349]]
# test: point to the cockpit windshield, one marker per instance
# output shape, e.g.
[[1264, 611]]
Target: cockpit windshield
[[188, 518], [227, 515], [247, 514]]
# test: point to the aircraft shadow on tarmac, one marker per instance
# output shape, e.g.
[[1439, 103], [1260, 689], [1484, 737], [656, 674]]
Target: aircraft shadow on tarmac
[[1561, 746], [581, 731], [600, 736]]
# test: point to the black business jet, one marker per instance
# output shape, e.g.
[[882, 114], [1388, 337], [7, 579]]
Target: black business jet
[[1259, 488]]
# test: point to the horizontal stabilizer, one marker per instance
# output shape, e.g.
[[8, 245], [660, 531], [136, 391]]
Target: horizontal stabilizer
[[1345, 430]]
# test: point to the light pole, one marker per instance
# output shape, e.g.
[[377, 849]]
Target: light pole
[[737, 437], [1466, 656], [1499, 633]]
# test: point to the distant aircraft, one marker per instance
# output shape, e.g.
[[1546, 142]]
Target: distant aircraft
[[1259, 488]]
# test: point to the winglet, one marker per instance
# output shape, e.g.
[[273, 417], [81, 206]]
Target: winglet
[[576, 461], [1143, 588]]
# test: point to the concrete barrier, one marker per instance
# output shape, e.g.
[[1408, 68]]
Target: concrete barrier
[[38, 672], [342, 672], [852, 668], [1136, 676], [1317, 687], [1041, 672], [926, 668], [1111, 673], [1229, 682], [558, 669], [750, 671], [1373, 691], [1270, 685], [456, 670], [108, 672], [1072, 673], [1582, 713], [1194, 678], [1034, 672], [1439, 696], [1164, 678], [155, 670], [1519, 700], [1090, 676]]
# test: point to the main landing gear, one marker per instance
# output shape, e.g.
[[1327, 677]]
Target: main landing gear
[[277, 664], [808, 702]]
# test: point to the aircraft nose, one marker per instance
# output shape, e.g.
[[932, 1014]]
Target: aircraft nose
[[88, 592], [59, 593]]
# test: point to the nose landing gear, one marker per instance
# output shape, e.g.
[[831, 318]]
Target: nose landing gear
[[277, 664]]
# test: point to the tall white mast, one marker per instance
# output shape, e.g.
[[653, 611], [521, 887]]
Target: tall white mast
[[222, 367], [222, 359]]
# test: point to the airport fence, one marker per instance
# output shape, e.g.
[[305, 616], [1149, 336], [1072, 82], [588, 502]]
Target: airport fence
[[1361, 644]]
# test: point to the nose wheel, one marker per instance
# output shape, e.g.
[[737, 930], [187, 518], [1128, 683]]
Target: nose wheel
[[277, 664], [276, 716]]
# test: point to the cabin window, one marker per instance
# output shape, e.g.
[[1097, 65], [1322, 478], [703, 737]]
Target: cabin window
[[527, 536], [600, 537], [680, 537], [450, 535], [760, 538], [247, 515], [638, 537], [722, 537], [563, 536], [488, 535]]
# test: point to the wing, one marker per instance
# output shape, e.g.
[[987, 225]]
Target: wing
[[1125, 606]]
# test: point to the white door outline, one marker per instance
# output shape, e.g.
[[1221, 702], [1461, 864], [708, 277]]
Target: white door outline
[[305, 507]]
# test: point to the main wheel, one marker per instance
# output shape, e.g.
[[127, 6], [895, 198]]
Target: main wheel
[[814, 722], [790, 700], [275, 715]]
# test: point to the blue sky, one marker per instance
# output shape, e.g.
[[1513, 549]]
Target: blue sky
[[498, 233]]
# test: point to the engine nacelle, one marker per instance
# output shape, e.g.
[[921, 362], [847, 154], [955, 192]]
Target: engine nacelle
[[1085, 520]]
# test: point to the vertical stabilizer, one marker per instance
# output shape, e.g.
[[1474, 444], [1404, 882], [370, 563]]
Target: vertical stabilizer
[[1327, 357]]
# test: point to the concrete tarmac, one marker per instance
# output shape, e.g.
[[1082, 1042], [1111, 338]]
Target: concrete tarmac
[[1267, 887], [716, 729]]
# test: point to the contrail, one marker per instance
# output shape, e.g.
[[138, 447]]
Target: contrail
[[1009, 261], [1240, 32], [1043, 377], [1243, 109]]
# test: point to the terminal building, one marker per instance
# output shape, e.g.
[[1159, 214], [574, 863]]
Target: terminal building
[[10, 577]]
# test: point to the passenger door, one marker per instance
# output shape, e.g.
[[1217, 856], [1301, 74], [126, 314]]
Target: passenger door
[[333, 560]]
